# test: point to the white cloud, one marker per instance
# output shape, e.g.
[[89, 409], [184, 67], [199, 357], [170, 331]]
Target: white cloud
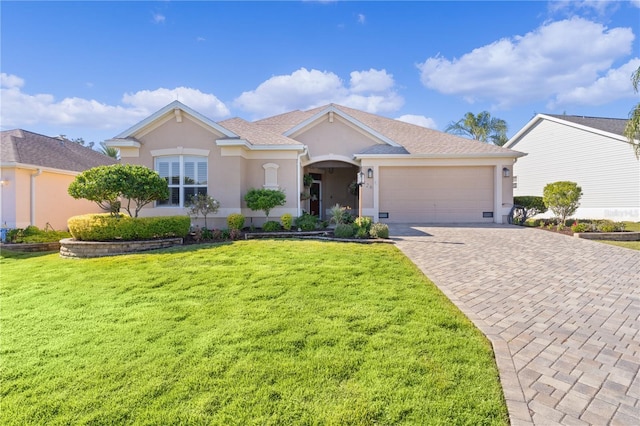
[[419, 120], [361, 18], [20, 109], [552, 60], [599, 7], [372, 91], [371, 81], [152, 100], [10, 81], [616, 84], [159, 18], [636, 3]]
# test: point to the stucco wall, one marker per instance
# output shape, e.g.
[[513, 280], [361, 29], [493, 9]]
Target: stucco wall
[[53, 204], [337, 138]]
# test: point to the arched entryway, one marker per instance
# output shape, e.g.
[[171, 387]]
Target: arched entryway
[[330, 182]]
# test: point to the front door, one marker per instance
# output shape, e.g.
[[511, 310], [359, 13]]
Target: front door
[[315, 202]]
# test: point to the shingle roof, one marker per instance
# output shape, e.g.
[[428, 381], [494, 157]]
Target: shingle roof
[[611, 125], [23, 147], [256, 134], [421, 140]]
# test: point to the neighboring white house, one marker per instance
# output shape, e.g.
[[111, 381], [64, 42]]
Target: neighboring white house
[[590, 151]]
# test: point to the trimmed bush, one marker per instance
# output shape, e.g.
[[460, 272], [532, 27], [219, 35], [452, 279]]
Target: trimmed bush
[[306, 222], [235, 221], [33, 234], [363, 223], [105, 227], [343, 230], [379, 230], [271, 226], [286, 220], [580, 227], [526, 207]]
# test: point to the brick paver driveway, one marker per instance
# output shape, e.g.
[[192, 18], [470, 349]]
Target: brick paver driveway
[[562, 313]]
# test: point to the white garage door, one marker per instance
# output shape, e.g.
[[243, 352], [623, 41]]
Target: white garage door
[[436, 194]]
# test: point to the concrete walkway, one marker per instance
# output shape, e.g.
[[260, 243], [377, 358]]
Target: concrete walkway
[[563, 315]]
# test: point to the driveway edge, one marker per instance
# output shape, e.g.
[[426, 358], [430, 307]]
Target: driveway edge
[[513, 394]]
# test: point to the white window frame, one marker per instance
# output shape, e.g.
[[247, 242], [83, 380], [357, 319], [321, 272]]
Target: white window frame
[[270, 176], [200, 186]]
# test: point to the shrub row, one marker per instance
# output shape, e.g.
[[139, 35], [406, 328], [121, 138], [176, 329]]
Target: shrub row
[[583, 225], [105, 227], [33, 234], [361, 228]]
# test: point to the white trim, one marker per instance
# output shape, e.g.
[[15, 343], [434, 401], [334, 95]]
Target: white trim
[[330, 157], [122, 143], [180, 151], [245, 144], [44, 169], [332, 109], [171, 108], [515, 154]]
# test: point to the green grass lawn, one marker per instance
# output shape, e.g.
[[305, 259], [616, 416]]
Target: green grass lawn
[[254, 332]]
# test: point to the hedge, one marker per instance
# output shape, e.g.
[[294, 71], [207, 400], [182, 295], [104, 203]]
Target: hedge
[[105, 227]]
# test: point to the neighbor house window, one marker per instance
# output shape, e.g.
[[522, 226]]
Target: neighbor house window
[[186, 177], [515, 182]]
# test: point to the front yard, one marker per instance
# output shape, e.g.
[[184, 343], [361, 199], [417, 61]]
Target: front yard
[[251, 332]]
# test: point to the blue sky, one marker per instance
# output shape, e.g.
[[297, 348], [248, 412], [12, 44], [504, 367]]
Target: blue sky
[[93, 69]]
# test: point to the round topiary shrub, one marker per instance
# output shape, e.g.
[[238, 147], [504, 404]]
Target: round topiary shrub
[[286, 220], [379, 230], [271, 226], [235, 221], [343, 230]]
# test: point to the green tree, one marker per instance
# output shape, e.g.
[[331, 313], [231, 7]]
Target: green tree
[[481, 127], [562, 198], [264, 199], [109, 151], [632, 129], [105, 185], [527, 206], [203, 205]]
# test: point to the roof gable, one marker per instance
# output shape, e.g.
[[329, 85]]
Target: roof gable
[[332, 110], [176, 107]]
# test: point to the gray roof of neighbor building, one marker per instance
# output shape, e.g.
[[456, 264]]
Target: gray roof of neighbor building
[[24, 147], [611, 125]]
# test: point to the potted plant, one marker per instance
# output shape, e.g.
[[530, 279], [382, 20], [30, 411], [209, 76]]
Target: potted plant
[[307, 180]]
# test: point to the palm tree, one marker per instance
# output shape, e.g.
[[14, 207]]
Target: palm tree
[[632, 129], [481, 127], [109, 151]]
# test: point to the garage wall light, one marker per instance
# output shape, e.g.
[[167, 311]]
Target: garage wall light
[[506, 172], [370, 173]]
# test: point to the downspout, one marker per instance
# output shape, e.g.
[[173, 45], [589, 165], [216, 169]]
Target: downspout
[[34, 175], [299, 179]]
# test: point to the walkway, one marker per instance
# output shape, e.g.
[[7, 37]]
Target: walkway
[[563, 315]]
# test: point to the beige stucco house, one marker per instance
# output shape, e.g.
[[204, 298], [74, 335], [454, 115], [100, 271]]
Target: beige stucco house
[[591, 151], [35, 172], [411, 173]]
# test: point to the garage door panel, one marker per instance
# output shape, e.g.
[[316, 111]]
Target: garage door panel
[[436, 194]]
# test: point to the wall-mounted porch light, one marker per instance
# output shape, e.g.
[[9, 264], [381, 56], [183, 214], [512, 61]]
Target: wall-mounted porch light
[[506, 172], [370, 173]]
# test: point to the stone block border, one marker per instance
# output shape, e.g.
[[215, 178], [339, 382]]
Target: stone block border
[[611, 236], [70, 248], [32, 248]]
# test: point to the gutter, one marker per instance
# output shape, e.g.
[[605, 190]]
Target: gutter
[[33, 176], [305, 151]]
